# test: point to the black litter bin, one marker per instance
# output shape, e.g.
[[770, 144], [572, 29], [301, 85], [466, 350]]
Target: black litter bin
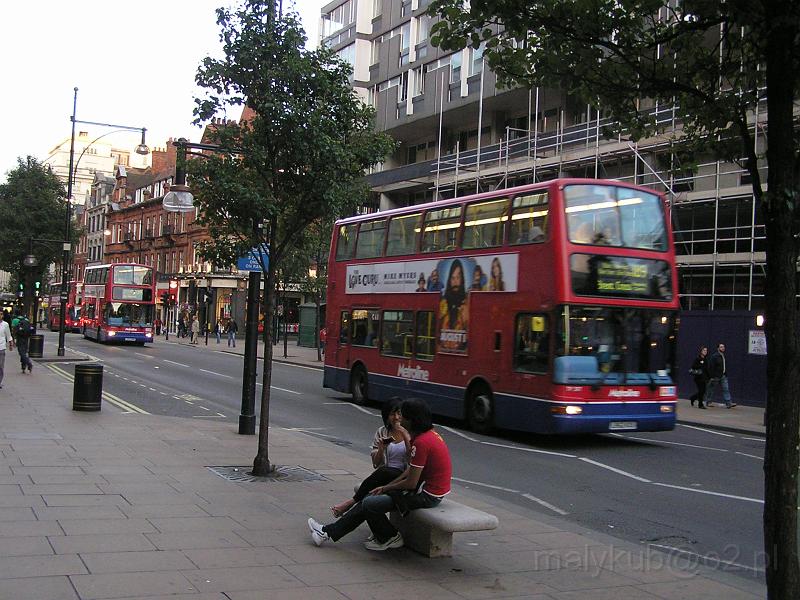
[[88, 388], [36, 345]]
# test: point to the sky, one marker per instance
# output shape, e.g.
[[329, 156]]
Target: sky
[[133, 64]]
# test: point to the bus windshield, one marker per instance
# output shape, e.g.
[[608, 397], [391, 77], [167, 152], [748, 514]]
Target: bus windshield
[[607, 215], [131, 275], [129, 314], [621, 340]]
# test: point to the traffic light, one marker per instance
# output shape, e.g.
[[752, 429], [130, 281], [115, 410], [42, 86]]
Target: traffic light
[[165, 297], [21, 291], [173, 299], [37, 288]]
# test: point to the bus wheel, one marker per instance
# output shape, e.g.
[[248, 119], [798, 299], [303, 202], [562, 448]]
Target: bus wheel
[[480, 410], [358, 385]]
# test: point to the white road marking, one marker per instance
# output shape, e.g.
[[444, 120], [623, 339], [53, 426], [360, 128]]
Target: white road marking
[[545, 504], [150, 356], [706, 430], [215, 373], [632, 437], [203, 407], [750, 455], [615, 470], [172, 362], [301, 367], [153, 389], [356, 406], [706, 559], [534, 450], [188, 402], [217, 416], [459, 433], [310, 432], [710, 493], [754, 439], [285, 390], [486, 485], [163, 393], [221, 415]]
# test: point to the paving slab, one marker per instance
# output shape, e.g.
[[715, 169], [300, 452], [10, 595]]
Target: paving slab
[[105, 542], [24, 546], [131, 562], [214, 558], [37, 588], [131, 585], [242, 578], [13, 567]]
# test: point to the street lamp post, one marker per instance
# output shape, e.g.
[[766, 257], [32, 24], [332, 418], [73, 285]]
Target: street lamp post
[[65, 267], [180, 199]]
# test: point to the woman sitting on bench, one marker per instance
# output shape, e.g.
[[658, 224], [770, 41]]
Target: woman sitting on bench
[[390, 449]]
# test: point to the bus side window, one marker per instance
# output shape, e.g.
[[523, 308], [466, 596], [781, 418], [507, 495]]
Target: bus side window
[[425, 342], [484, 224], [371, 236], [364, 327], [532, 343], [529, 218], [344, 326], [403, 235], [397, 333], [346, 241], [440, 230]]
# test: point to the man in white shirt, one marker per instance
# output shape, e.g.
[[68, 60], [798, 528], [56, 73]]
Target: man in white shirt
[[6, 343]]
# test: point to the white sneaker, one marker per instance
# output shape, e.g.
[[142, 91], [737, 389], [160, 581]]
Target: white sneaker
[[395, 542], [318, 536]]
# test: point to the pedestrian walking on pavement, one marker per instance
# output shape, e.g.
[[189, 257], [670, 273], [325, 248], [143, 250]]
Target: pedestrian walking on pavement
[[6, 343], [718, 376], [157, 325], [181, 326], [699, 372], [218, 330], [195, 330], [429, 465], [232, 330], [23, 330]]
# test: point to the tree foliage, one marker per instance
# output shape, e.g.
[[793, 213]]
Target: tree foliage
[[300, 155], [32, 204], [713, 62]]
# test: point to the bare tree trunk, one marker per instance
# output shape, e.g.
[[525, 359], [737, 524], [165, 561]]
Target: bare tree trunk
[[781, 459]]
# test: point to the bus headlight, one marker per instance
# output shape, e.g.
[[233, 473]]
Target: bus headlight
[[569, 409], [148, 334], [112, 333], [667, 408]]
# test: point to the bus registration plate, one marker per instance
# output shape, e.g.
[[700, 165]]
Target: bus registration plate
[[621, 425], [130, 339]]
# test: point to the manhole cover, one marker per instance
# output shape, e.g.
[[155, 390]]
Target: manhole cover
[[281, 473]]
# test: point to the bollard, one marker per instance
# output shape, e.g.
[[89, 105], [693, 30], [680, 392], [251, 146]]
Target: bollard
[[88, 388], [36, 346]]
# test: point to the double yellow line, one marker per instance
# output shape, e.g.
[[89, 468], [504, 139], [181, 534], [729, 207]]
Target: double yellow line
[[110, 398]]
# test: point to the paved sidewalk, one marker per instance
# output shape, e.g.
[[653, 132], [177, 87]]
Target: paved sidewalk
[[112, 505], [745, 419]]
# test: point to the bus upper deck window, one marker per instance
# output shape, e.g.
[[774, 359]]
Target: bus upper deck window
[[403, 231], [529, 219], [371, 236], [440, 231], [346, 241], [484, 224]]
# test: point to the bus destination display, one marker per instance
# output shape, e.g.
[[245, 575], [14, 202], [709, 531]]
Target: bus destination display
[[620, 277]]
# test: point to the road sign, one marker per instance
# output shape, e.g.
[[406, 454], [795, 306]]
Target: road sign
[[251, 261]]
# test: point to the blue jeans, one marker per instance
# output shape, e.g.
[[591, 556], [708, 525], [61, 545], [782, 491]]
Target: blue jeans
[[22, 348], [713, 383], [218, 334], [373, 509], [232, 339]]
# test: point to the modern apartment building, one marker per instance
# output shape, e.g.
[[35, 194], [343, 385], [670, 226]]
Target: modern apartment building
[[458, 132]]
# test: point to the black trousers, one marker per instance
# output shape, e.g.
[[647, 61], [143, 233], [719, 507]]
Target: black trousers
[[380, 476], [700, 382]]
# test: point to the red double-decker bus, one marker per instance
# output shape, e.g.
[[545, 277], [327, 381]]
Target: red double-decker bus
[[119, 303], [548, 308], [73, 318]]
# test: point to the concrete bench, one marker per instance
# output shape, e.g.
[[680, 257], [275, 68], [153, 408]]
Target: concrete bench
[[429, 531]]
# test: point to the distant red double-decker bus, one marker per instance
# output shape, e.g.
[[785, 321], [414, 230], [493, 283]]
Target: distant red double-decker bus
[[119, 303], [72, 321], [548, 308]]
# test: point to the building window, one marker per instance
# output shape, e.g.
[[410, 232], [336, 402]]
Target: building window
[[455, 67], [377, 8], [476, 65], [377, 43], [423, 27], [419, 82]]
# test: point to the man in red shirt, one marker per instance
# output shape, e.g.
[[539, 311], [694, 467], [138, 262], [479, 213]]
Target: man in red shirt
[[422, 485]]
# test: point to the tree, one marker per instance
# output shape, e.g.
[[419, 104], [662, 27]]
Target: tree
[[713, 61], [298, 154], [32, 205]]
